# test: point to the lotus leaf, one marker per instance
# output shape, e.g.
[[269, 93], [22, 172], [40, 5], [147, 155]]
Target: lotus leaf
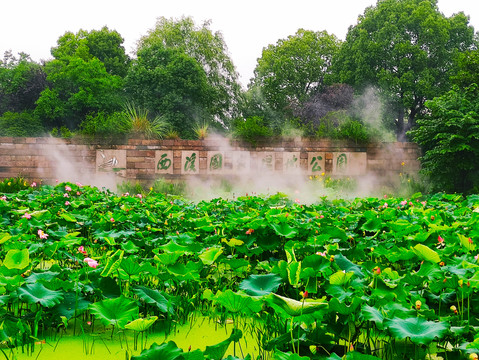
[[340, 277], [259, 285], [116, 312], [283, 229], [154, 297], [294, 307], [217, 352], [426, 253], [167, 351], [234, 302], [39, 294], [141, 324], [67, 307], [113, 263], [418, 330], [17, 259], [209, 256]]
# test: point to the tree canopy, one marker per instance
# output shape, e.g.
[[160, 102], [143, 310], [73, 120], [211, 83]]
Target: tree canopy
[[172, 84], [291, 71], [209, 50], [404, 48]]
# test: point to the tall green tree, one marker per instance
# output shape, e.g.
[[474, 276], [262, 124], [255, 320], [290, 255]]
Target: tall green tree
[[291, 71], [209, 50], [79, 81], [105, 45], [449, 137], [405, 49], [21, 82], [168, 82]]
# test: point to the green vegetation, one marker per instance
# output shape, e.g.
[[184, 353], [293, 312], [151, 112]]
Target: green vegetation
[[182, 72], [388, 278]]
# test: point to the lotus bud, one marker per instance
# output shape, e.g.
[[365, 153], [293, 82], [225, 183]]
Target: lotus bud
[[418, 304], [453, 309], [473, 356]]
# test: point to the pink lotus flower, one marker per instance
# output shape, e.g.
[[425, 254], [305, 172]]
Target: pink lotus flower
[[42, 235], [66, 195], [67, 203], [404, 202], [68, 188], [440, 240], [34, 184], [79, 184], [4, 198], [297, 201], [112, 220], [139, 196], [91, 263], [27, 216], [126, 194], [476, 257], [78, 193], [323, 254], [81, 249]]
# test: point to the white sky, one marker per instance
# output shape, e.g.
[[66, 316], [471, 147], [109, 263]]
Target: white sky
[[34, 26]]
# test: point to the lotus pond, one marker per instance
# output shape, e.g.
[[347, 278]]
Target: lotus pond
[[98, 275]]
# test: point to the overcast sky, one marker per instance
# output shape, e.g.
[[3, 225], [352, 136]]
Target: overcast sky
[[34, 26]]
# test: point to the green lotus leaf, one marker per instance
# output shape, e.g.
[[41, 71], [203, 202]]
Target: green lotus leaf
[[67, 307], [217, 352], [45, 277], [209, 256], [342, 308], [193, 355], [234, 302], [116, 312], [418, 330], [166, 351], [259, 285], [68, 217], [39, 294], [294, 307], [190, 271], [426, 253], [154, 297], [130, 266], [113, 263], [129, 247], [231, 357], [294, 272], [17, 259], [169, 258], [141, 324], [4, 237], [345, 264], [340, 277], [466, 243], [283, 229], [373, 314]]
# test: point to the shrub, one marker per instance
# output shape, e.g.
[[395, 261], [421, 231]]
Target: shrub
[[251, 130], [106, 126], [21, 124]]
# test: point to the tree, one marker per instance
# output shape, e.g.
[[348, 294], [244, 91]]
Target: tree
[[21, 82], [83, 79], [170, 83], [294, 69], [105, 45], [449, 137], [404, 48], [209, 50], [77, 88], [466, 70]]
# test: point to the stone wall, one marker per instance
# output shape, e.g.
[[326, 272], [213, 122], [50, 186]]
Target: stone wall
[[48, 159]]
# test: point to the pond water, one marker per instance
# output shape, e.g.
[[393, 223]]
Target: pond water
[[100, 345]]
